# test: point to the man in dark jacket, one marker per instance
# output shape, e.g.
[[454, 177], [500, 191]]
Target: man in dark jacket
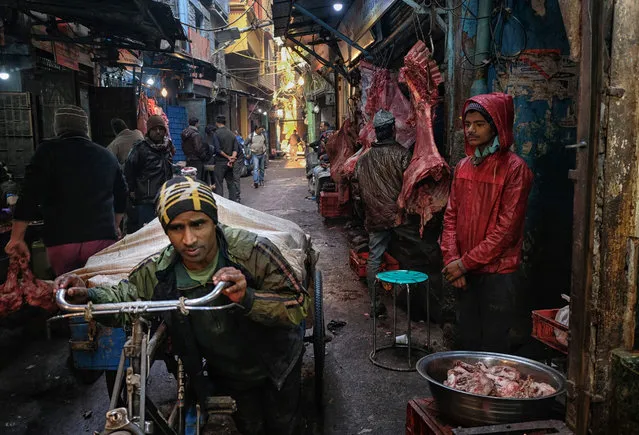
[[225, 160], [484, 226], [252, 354], [147, 168], [78, 188], [197, 152], [380, 174]]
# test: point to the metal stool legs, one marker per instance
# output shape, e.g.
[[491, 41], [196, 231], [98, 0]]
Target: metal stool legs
[[409, 345]]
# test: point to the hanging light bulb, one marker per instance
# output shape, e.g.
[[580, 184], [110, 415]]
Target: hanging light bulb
[[280, 113], [316, 109], [290, 86], [301, 81], [338, 6], [4, 75], [150, 81], [164, 92]]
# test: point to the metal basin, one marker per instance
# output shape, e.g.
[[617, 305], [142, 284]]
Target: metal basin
[[469, 409]]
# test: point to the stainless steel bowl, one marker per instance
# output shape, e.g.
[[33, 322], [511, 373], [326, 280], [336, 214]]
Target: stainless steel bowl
[[474, 410]]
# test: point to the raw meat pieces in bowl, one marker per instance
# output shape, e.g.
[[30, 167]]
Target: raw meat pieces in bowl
[[497, 381]]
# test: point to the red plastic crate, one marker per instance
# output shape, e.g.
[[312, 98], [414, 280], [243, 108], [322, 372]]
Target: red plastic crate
[[390, 263], [359, 261], [329, 206], [544, 325]]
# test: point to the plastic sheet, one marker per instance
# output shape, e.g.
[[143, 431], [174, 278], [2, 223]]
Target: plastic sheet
[[114, 263]]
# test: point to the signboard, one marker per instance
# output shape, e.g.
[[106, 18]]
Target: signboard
[[42, 45], [129, 57], [200, 46], [66, 55]]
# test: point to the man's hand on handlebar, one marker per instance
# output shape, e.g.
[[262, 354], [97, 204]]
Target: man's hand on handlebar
[[237, 290], [77, 292]]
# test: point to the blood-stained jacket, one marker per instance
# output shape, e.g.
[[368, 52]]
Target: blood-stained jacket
[[379, 174], [484, 220]]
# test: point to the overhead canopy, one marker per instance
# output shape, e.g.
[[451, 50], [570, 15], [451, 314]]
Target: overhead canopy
[[135, 24], [380, 30], [180, 62]]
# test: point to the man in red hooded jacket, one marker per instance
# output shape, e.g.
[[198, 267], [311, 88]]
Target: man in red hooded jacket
[[484, 226]]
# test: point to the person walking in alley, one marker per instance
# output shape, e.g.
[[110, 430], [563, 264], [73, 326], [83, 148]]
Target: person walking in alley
[[252, 353], [78, 188], [225, 160], [146, 169], [379, 175], [257, 143], [197, 151], [124, 140], [484, 226]]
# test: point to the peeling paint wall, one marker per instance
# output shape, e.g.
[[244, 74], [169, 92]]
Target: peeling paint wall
[[543, 82]]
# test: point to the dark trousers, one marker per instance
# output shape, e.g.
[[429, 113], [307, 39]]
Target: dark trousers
[[143, 214], [490, 312], [224, 172], [265, 410]]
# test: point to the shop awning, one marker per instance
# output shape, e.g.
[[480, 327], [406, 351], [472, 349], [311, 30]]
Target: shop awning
[[134, 24], [184, 63]]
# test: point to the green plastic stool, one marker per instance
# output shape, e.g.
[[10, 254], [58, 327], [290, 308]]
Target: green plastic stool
[[400, 277]]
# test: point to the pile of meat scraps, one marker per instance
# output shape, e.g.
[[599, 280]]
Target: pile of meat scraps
[[497, 381], [18, 290], [426, 181]]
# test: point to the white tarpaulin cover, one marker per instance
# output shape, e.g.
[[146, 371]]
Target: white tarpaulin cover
[[114, 263]]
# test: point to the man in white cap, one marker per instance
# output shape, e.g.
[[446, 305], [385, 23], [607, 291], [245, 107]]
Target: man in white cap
[[380, 174], [78, 188]]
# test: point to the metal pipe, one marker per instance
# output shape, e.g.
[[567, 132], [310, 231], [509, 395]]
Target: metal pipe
[[450, 87], [143, 372], [154, 342], [140, 305], [482, 47], [337, 33], [117, 386]]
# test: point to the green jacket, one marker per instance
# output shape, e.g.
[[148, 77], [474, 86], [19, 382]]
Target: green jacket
[[263, 340]]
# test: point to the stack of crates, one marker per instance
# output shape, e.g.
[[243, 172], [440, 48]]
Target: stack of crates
[[329, 206], [178, 121]]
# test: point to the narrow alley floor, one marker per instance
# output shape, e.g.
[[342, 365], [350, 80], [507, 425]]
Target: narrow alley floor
[[39, 395], [360, 398]]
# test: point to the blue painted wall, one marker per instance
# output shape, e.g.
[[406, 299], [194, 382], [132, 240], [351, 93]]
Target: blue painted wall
[[178, 121]]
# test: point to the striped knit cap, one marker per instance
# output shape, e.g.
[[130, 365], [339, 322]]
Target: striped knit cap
[[181, 194], [71, 119]]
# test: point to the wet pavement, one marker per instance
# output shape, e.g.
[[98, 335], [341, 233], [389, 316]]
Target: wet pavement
[[39, 395]]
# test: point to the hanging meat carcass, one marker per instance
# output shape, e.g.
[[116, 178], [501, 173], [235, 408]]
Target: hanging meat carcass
[[383, 93], [22, 285], [426, 181], [10, 292], [340, 147], [37, 292]]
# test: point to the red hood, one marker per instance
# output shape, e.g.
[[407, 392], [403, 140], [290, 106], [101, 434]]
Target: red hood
[[500, 107]]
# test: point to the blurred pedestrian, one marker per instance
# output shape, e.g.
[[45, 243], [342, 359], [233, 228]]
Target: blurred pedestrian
[[146, 169], [197, 151], [257, 144], [124, 139], [225, 160]]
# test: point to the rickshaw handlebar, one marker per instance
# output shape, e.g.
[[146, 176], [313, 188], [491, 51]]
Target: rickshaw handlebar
[[136, 307]]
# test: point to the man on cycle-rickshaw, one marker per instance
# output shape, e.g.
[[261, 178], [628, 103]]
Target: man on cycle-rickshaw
[[253, 351]]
